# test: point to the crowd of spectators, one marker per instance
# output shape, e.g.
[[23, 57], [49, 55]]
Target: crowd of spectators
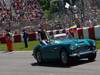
[[24, 10]]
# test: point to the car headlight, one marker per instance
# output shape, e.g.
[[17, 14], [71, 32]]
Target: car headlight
[[92, 43], [73, 47]]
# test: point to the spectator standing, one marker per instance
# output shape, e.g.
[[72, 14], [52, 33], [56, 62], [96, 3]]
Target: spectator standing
[[25, 38], [9, 42]]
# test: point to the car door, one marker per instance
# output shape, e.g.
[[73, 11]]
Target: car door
[[50, 52]]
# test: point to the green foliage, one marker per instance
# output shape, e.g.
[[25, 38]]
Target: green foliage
[[47, 14], [54, 6], [49, 7], [45, 4]]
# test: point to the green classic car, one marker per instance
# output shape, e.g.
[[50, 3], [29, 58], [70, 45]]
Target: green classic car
[[62, 49]]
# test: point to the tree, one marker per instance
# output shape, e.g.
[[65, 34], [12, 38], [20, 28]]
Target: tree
[[45, 4], [54, 6]]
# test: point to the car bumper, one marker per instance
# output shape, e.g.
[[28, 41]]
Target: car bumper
[[83, 53]]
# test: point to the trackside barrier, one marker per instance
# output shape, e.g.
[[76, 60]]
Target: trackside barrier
[[2, 39], [80, 33], [32, 36], [91, 33], [97, 32], [17, 38], [50, 33], [86, 32]]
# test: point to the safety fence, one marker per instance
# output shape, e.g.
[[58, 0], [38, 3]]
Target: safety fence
[[80, 33]]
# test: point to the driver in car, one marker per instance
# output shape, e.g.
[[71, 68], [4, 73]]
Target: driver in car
[[42, 35]]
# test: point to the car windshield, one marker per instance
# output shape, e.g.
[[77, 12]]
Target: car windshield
[[62, 36]]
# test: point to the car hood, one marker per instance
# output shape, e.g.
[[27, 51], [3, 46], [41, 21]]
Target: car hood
[[64, 41], [71, 41]]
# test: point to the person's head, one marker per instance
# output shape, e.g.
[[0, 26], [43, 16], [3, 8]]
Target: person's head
[[8, 35], [24, 31]]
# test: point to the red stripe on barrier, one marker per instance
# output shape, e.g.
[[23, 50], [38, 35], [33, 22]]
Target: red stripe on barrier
[[2, 40], [91, 32], [32, 36], [17, 38], [80, 33]]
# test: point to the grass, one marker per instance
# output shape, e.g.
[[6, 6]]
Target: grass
[[20, 46], [98, 44]]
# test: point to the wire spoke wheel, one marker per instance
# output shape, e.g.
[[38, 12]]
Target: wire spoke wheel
[[64, 58], [38, 57]]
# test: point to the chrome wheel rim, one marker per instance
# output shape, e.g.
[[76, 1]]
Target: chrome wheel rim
[[38, 57], [64, 57]]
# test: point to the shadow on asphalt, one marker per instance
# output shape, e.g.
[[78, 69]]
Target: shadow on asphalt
[[56, 64]]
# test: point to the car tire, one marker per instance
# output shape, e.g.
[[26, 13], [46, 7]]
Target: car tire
[[39, 57], [64, 58], [92, 57]]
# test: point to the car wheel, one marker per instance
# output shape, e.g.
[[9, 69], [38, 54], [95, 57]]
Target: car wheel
[[92, 57], [38, 57], [63, 57]]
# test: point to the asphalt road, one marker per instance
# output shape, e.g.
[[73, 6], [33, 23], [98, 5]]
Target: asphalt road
[[22, 63]]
